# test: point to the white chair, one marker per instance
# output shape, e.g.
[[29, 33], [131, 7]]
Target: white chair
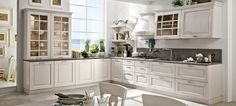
[[116, 91], [10, 74], [153, 100]]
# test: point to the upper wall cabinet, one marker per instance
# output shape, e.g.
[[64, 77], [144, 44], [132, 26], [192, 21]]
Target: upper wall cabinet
[[196, 21], [168, 25], [46, 34]]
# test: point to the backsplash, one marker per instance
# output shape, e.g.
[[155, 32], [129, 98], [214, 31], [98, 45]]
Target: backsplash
[[182, 54]]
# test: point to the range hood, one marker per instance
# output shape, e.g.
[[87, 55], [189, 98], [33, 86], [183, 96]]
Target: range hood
[[145, 25]]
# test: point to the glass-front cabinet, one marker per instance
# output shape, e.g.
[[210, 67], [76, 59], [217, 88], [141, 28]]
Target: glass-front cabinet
[[46, 34], [167, 25], [61, 36]]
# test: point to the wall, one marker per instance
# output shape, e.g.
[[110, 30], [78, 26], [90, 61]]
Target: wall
[[117, 10], [11, 46], [22, 4], [234, 48]]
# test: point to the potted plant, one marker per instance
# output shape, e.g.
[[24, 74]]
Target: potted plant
[[177, 3], [84, 54], [94, 50], [101, 48], [87, 43]]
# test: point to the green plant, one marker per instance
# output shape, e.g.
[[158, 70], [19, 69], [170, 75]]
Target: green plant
[[87, 43], [94, 48], [101, 46], [84, 54], [177, 2]]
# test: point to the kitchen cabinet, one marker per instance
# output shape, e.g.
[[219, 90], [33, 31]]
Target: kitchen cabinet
[[61, 36], [64, 73], [37, 29], [102, 69], [194, 88], [162, 83], [47, 34], [38, 75], [160, 68], [84, 71], [202, 21], [142, 80], [128, 77], [117, 70], [168, 24]]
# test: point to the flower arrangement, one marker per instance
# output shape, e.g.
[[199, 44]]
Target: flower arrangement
[[177, 3]]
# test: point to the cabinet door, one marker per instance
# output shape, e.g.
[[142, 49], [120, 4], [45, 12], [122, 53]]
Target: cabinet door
[[193, 88], [102, 69], [162, 83], [64, 73], [84, 69], [61, 28], [168, 25], [128, 77], [117, 70], [192, 72], [197, 23], [142, 79], [37, 33], [166, 69], [41, 75]]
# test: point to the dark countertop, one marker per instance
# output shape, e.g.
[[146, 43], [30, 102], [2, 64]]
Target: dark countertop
[[64, 59], [124, 58], [167, 61]]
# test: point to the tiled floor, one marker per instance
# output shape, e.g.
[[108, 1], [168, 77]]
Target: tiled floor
[[47, 99]]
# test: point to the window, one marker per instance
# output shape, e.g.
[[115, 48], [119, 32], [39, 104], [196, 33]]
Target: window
[[87, 22]]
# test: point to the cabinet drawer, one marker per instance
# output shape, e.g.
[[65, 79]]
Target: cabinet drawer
[[162, 83], [142, 79], [128, 68], [192, 72], [193, 88], [128, 77], [142, 70], [142, 64], [128, 62], [163, 68]]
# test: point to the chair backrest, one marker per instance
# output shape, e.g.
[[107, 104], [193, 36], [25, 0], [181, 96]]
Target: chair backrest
[[12, 64], [115, 91], [153, 100]]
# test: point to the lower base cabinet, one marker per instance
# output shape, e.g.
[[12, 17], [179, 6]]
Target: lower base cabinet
[[64, 73], [142, 79], [162, 83], [84, 71], [102, 69], [38, 75], [128, 77]]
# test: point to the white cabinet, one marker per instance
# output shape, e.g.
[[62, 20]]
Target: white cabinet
[[102, 69], [128, 77], [194, 88], [192, 72], [84, 71], [142, 79], [47, 34], [38, 75], [160, 68], [61, 36], [202, 22], [37, 35], [162, 83], [64, 73], [168, 24], [116, 69]]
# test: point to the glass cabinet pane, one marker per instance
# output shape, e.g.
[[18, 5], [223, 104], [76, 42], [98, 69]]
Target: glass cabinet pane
[[43, 17], [43, 45], [43, 53], [34, 35], [34, 53], [65, 45], [43, 25], [43, 35], [167, 32], [57, 36], [176, 16], [57, 18], [65, 19], [167, 25], [34, 45], [65, 36], [35, 25], [65, 27], [34, 17], [159, 18], [167, 17], [57, 26]]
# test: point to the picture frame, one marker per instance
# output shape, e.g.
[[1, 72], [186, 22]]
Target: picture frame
[[2, 51], [6, 16], [4, 35], [37, 2], [57, 3]]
